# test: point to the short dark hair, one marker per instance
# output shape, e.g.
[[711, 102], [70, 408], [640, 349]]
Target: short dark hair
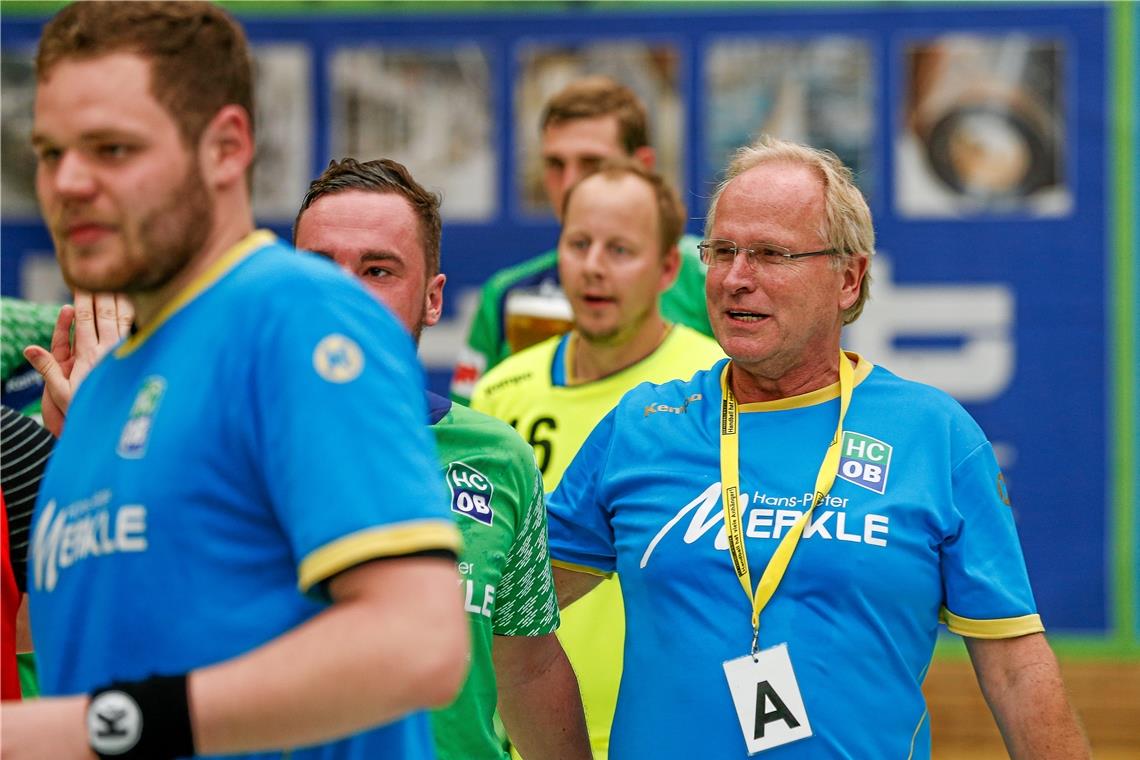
[[596, 96], [670, 207], [198, 53], [382, 175]]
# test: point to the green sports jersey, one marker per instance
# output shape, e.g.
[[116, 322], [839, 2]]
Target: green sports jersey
[[23, 323], [505, 576], [683, 303]]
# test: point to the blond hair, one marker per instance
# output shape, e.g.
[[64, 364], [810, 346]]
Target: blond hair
[[848, 228], [670, 208]]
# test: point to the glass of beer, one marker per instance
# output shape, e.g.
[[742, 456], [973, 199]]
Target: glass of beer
[[535, 314]]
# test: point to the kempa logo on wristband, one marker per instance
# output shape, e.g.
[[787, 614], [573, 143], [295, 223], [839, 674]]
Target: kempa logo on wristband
[[114, 723]]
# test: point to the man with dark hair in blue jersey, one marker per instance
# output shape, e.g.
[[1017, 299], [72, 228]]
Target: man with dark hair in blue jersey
[[775, 604], [220, 579]]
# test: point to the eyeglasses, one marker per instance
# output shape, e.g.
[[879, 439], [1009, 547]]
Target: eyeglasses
[[721, 254]]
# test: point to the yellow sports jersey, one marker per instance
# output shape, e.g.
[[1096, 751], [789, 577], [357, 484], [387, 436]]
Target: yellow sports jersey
[[555, 419]]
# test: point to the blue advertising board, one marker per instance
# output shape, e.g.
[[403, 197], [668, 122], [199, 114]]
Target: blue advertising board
[[982, 141]]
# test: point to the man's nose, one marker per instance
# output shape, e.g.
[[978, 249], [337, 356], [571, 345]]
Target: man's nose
[[72, 177], [740, 273]]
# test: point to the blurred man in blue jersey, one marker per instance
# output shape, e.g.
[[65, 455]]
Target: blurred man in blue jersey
[[779, 605], [218, 575]]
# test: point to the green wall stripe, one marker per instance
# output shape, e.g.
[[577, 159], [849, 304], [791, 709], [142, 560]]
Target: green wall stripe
[[1122, 268], [1065, 646]]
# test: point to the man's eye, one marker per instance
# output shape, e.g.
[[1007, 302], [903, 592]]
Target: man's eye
[[621, 250], [724, 251], [47, 155], [377, 272], [578, 244], [552, 163], [113, 150]]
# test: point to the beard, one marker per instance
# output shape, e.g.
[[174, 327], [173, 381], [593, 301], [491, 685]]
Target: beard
[[153, 249], [418, 326], [615, 335]]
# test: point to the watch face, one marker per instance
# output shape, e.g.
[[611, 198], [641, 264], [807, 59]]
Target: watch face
[[114, 723]]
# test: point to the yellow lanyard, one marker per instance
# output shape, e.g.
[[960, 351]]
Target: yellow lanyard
[[730, 493]]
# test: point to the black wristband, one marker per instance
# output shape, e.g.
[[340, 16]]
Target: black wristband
[[133, 720]]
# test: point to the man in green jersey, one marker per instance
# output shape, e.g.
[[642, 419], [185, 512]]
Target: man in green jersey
[[376, 222], [616, 255], [590, 120]]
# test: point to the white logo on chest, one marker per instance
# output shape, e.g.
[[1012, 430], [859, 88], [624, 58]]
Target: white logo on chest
[[84, 529], [771, 517]]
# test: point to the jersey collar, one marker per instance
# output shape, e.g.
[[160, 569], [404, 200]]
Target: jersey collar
[[231, 258]]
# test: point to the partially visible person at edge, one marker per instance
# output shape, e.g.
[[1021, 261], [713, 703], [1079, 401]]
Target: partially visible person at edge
[[23, 323], [773, 603], [100, 320], [188, 597], [590, 120], [616, 255], [381, 226], [24, 450]]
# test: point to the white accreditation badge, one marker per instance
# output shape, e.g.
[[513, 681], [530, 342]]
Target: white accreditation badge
[[767, 699]]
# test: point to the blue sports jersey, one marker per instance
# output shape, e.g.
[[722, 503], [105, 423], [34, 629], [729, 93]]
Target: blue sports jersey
[[262, 434], [916, 526]]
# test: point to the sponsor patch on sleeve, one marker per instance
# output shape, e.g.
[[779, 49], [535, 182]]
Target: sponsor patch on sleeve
[[338, 358]]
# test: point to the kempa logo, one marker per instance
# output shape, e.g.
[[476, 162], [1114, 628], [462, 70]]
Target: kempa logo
[[471, 492], [864, 461], [682, 409]]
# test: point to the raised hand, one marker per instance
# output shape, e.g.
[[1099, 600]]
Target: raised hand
[[101, 320]]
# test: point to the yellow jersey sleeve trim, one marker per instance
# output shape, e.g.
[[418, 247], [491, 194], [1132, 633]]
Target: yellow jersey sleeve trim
[[861, 368], [580, 568], [1001, 628], [376, 543], [212, 273]]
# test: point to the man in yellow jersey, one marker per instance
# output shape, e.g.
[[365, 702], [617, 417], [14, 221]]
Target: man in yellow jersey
[[791, 525], [616, 255]]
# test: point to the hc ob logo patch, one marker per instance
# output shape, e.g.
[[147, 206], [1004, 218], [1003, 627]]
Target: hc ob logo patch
[[864, 461], [136, 432], [471, 492]]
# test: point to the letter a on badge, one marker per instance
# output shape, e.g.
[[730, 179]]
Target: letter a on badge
[[766, 696], [767, 699]]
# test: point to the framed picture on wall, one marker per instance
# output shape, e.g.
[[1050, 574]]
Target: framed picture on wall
[[429, 109], [651, 69], [818, 91], [982, 127], [283, 123], [17, 161]]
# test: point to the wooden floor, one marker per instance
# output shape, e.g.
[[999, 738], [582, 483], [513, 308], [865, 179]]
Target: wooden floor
[[1105, 694]]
